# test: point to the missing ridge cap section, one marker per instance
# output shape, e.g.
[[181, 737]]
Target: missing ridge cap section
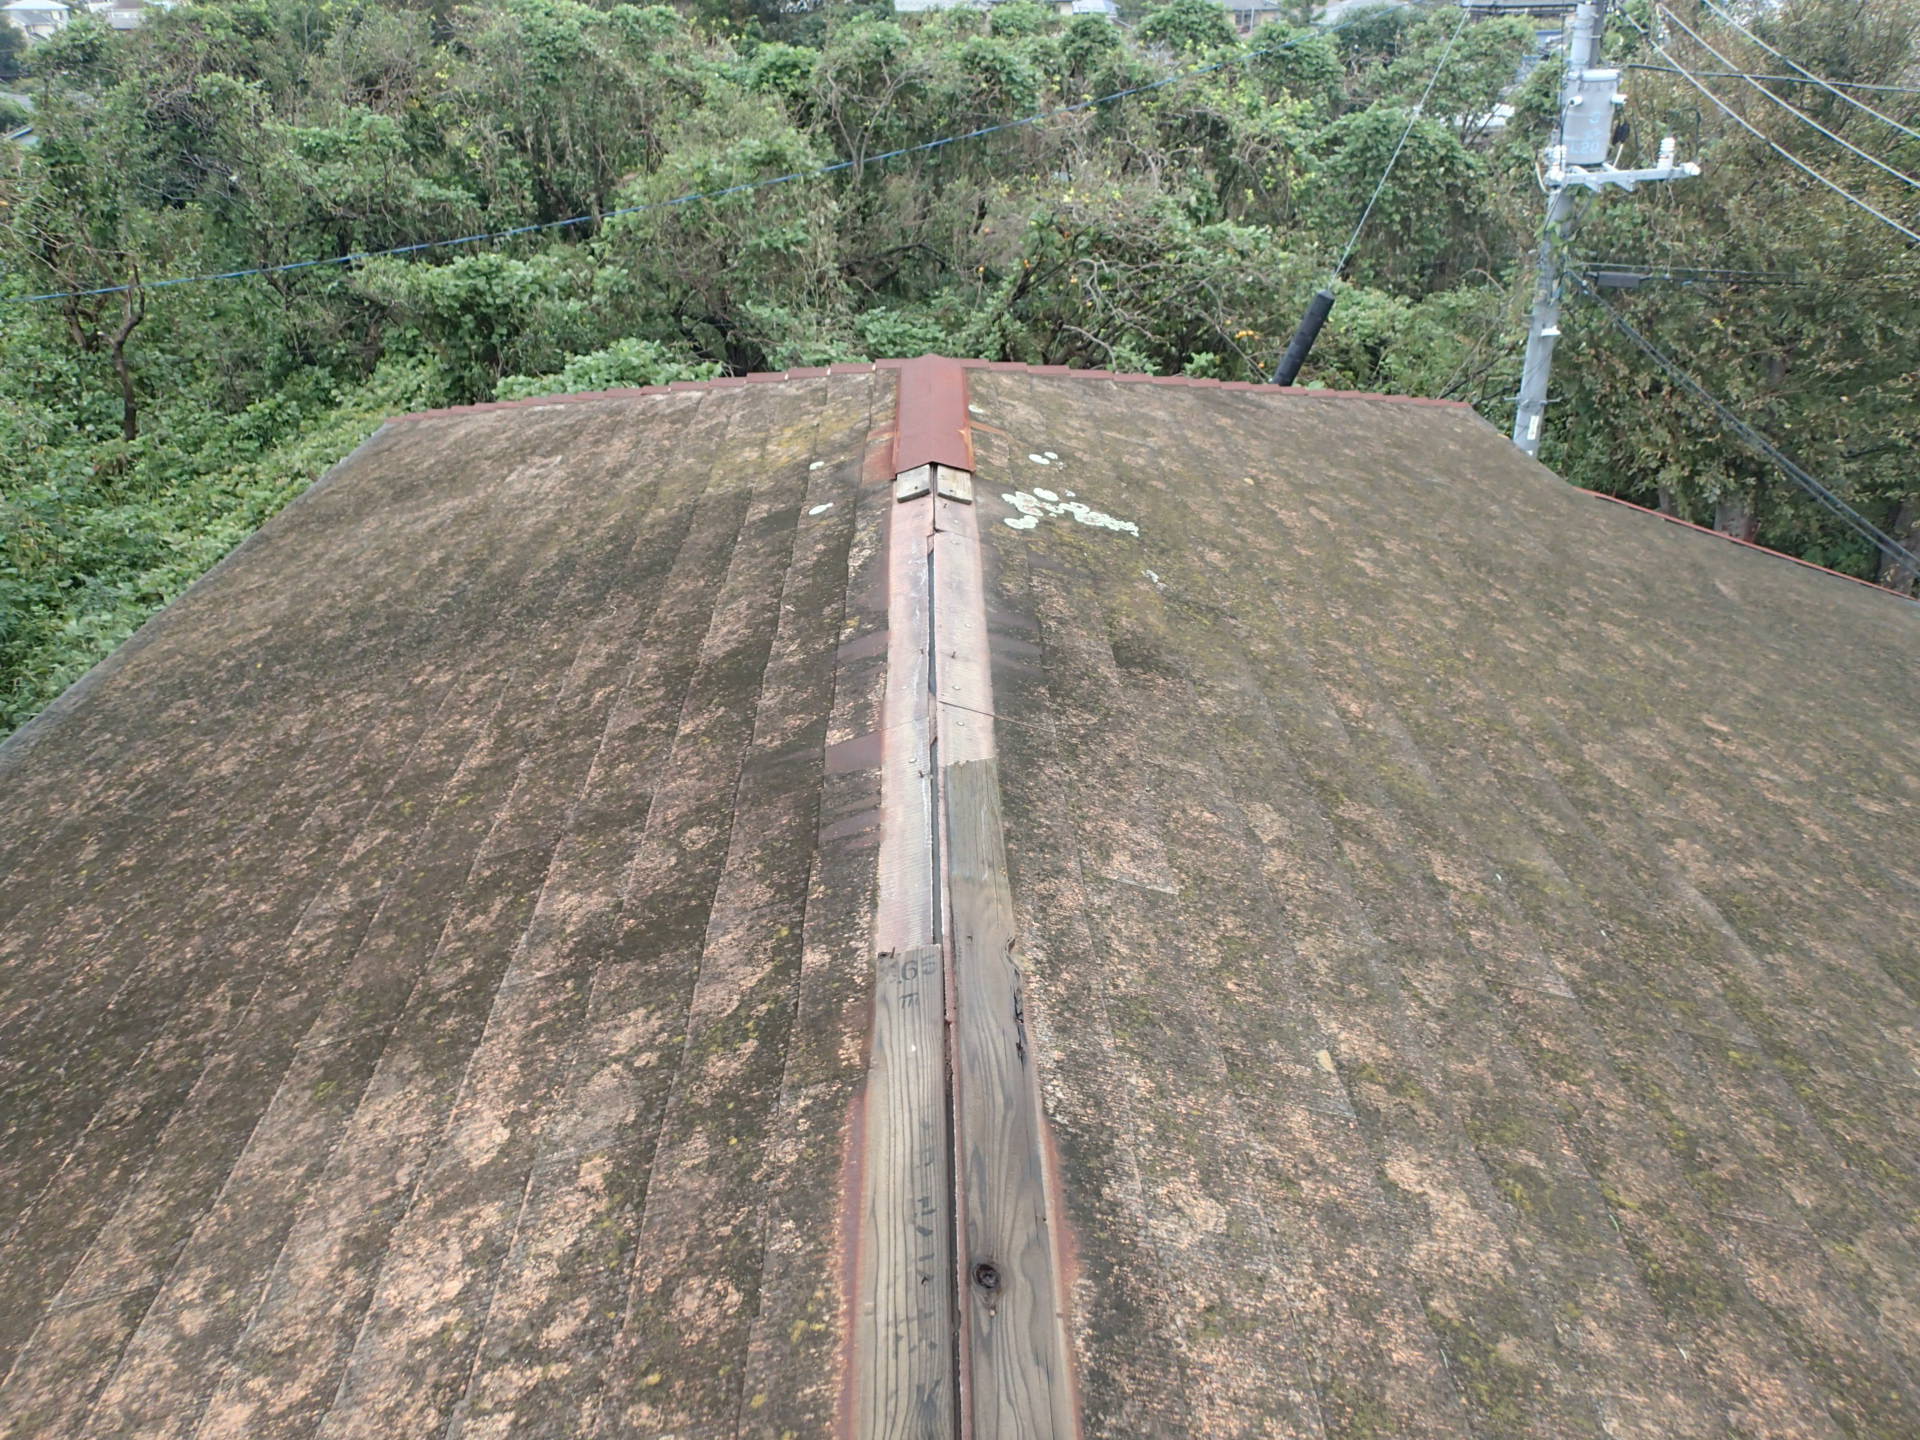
[[959, 1328]]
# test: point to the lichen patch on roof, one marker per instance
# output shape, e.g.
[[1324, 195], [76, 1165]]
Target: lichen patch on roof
[[1038, 504]]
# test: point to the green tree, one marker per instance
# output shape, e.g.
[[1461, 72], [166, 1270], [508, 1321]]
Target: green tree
[[13, 51], [624, 364], [746, 276], [1426, 226], [1189, 27], [1813, 346]]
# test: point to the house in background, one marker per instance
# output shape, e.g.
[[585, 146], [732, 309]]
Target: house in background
[[120, 14], [41, 18], [1250, 15], [37, 18], [1060, 7], [125, 14]]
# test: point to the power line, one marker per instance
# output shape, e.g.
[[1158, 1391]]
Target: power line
[[1853, 519], [1815, 79], [1785, 105], [1663, 267], [1771, 143], [697, 196], [1631, 274], [1412, 118], [1785, 80]]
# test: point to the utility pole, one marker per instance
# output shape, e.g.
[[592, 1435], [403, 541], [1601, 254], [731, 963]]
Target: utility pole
[[1588, 99]]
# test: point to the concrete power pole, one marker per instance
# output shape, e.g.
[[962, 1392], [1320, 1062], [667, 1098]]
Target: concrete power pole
[[1588, 98]]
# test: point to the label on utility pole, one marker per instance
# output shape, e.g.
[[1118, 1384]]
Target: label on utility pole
[[1587, 118]]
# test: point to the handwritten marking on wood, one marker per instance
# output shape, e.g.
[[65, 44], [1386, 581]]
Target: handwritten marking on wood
[[907, 1304]]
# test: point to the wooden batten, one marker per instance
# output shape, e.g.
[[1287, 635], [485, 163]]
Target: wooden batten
[[1010, 1306], [907, 1389], [905, 1380]]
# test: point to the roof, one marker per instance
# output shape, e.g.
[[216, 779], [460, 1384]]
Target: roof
[[1281, 915]]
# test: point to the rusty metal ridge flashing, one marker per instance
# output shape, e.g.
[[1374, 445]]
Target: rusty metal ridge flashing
[[959, 1312]]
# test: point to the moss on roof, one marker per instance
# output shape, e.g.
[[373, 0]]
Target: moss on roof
[[1471, 934]]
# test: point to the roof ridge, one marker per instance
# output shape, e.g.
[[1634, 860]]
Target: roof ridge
[[867, 367], [936, 370]]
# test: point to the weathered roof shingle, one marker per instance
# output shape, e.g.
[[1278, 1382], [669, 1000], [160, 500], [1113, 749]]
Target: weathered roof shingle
[[1469, 934]]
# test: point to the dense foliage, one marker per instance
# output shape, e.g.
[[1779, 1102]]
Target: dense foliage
[[1179, 230]]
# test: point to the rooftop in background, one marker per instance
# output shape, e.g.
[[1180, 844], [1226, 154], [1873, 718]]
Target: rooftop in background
[[1470, 934], [1539, 8]]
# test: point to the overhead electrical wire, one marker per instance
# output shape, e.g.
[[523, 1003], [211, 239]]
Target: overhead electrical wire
[[1821, 494], [1664, 267], [1812, 78], [1785, 80], [1630, 274], [1871, 159], [1769, 141], [695, 197]]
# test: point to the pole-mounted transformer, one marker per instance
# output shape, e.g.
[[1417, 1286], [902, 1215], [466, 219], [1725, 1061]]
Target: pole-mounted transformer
[[1588, 98]]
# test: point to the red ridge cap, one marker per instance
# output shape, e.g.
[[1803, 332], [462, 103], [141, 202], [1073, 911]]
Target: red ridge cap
[[931, 425], [1748, 544]]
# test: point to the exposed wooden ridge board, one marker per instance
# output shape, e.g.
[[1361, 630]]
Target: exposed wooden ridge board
[[943, 480], [904, 1379], [959, 1324], [1014, 1375], [1011, 1312], [906, 1365]]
